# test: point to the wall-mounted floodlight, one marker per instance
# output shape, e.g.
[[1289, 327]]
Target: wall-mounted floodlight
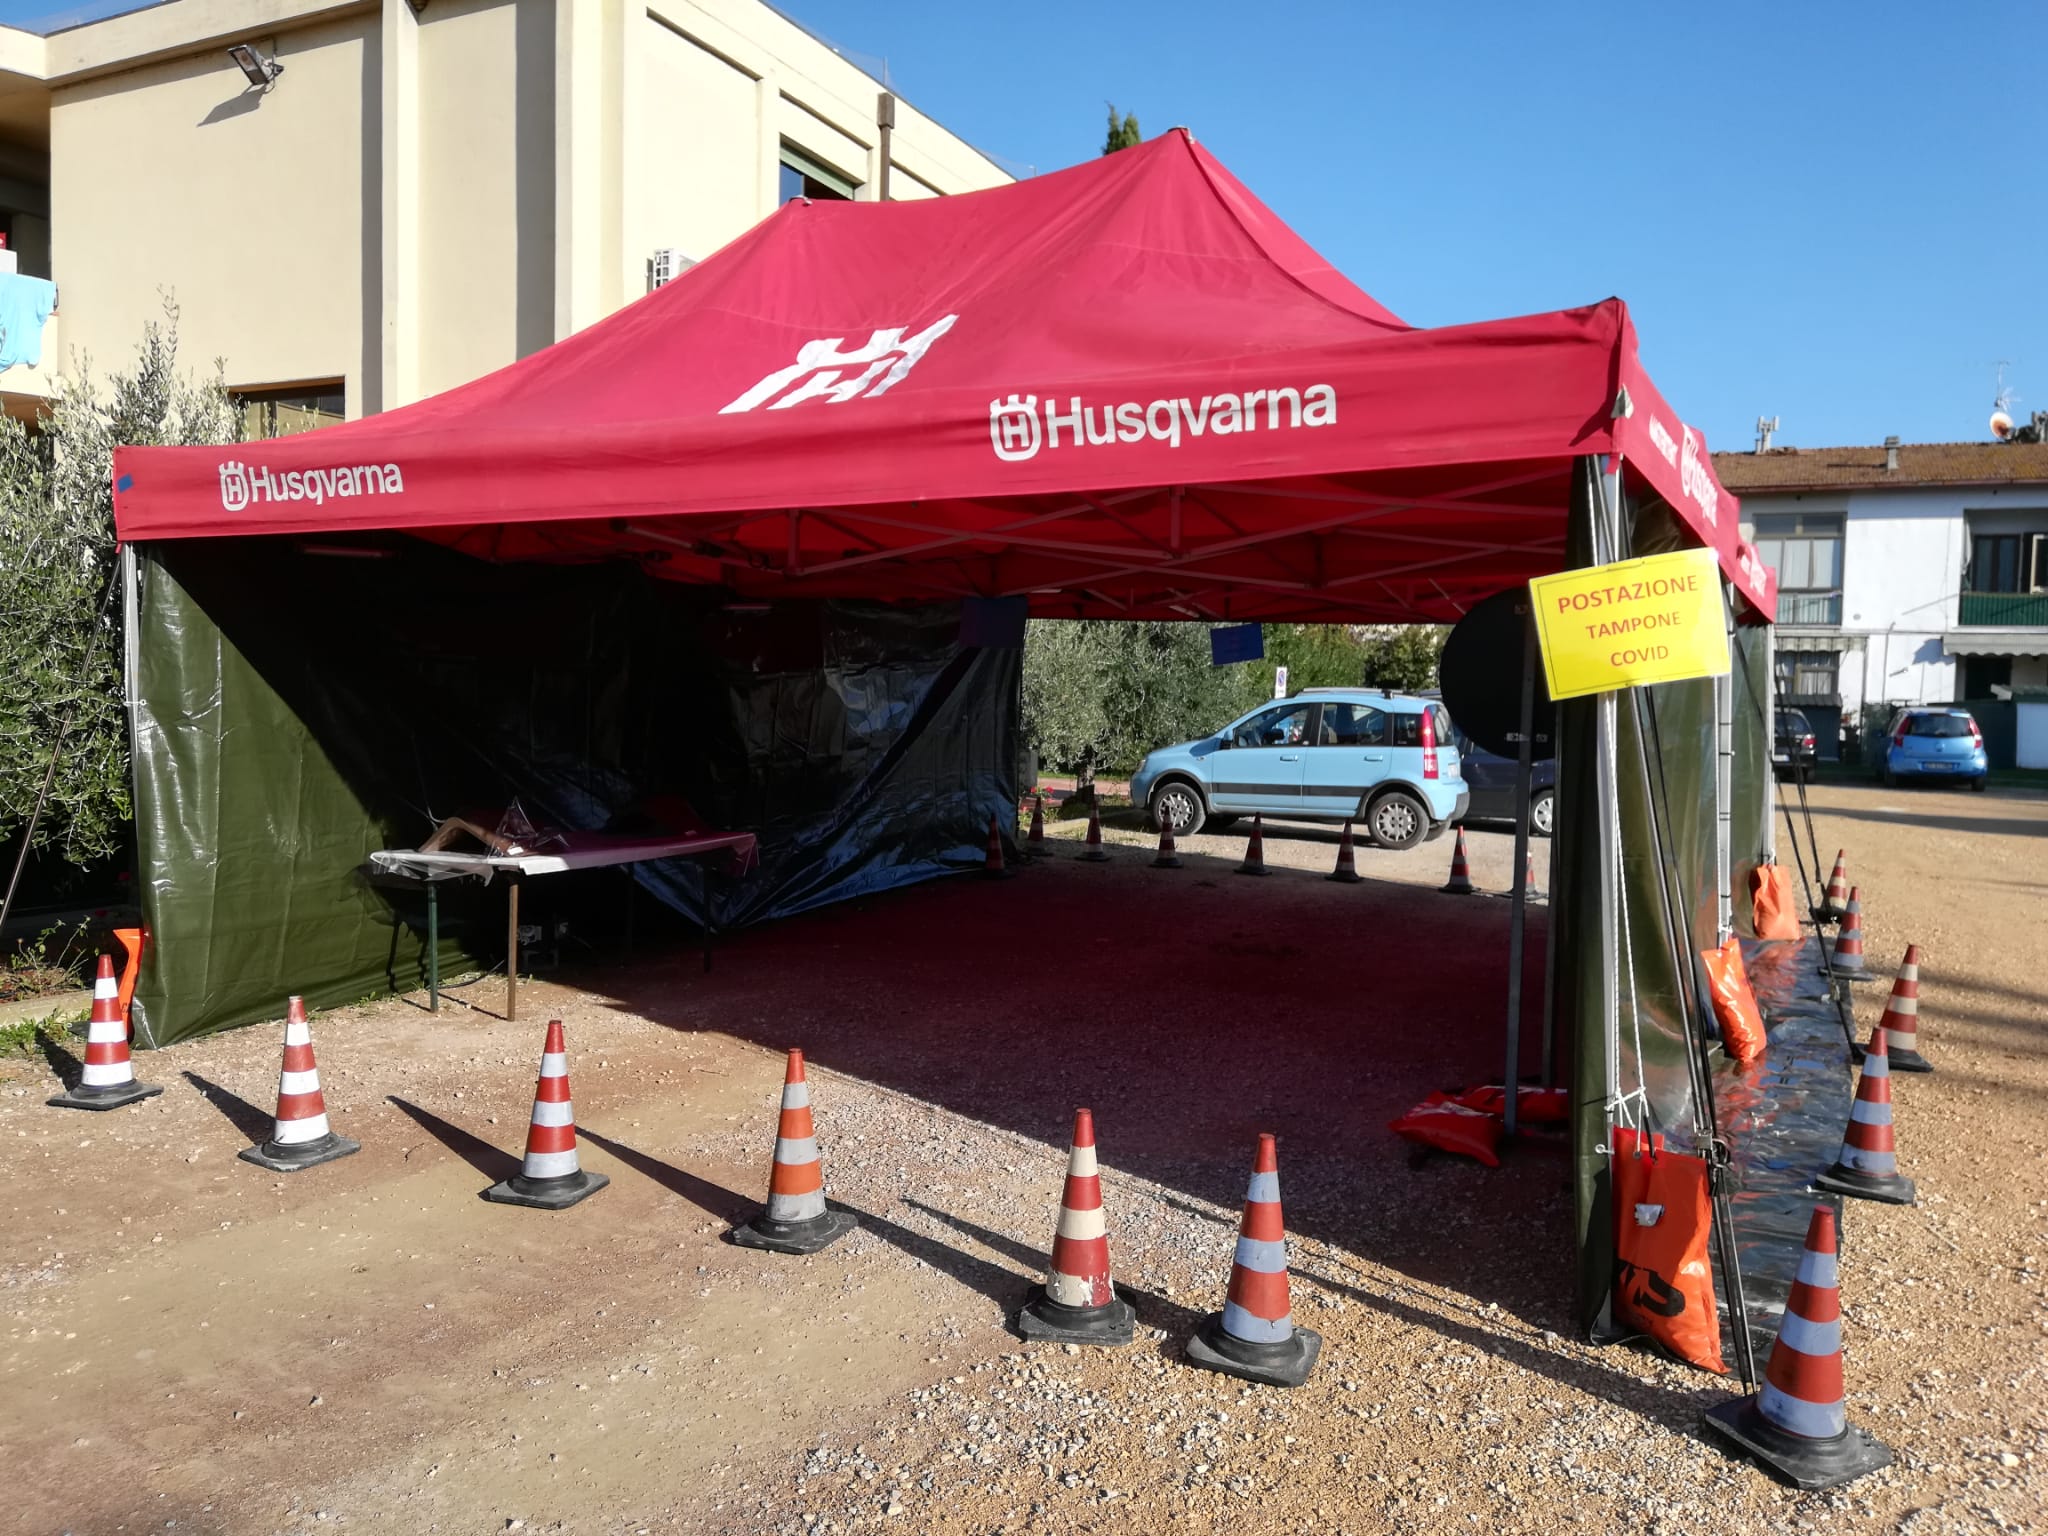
[[260, 72]]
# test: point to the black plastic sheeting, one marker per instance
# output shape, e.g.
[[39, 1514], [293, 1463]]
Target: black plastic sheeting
[[296, 710], [1783, 1116]]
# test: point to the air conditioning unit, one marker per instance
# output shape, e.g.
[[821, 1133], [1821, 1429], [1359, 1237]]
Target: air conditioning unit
[[666, 265]]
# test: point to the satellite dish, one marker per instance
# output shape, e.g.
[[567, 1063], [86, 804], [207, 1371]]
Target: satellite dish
[[1481, 676], [2001, 425]]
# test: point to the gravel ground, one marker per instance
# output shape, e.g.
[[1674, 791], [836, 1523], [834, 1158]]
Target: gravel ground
[[189, 1339]]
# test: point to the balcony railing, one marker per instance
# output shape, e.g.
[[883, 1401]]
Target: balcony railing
[[2005, 610], [1809, 607]]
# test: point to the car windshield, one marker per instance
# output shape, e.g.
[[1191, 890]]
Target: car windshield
[[1937, 725]]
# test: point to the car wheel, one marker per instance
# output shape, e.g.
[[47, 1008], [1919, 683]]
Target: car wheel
[[1978, 786], [1397, 820], [1887, 778], [1542, 812], [1178, 805]]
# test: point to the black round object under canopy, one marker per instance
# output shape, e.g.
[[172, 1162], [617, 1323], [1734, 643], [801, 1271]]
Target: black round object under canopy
[[1481, 677]]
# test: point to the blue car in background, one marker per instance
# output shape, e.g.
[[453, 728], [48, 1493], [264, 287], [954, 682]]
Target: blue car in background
[[1932, 743], [1383, 760]]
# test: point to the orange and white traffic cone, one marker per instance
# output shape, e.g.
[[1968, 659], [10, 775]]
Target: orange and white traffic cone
[[1836, 901], [552, 1177], [109, 1078], [1849, 940], [1255, 850], [1168, 856], [1868, 1165], [1092, 851], [1460, 883], [1078, 1304], [1797, 1424], [1036, 843], [992, 857], [1529, 875], [796, 1218], [1254, 1337], [1901, 1021], [302, 1137], [1346, 872]]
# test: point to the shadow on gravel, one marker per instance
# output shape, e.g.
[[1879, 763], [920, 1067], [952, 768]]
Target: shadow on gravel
[[492, 1162], [1004, 1287], [713, 1200], [70, 1070], [241, 1114]]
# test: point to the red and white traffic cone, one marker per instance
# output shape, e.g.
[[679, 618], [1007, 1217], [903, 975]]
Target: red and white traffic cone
[[1254, 1337], [1168, 856], [552, 1178], [1797, 1424], [302, 1137], [1529, 890], [1346, 872], [1255, 850], [1868, 1165], [1460, 883], [1078, 1303], [108, 1081], [796, 1218], [1849, 940], [1836, 901], [1092, 851], [992, 856], [1901, 1022], [1036, 843]]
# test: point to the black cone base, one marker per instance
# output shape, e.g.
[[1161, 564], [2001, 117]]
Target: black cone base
[[1096, 855], [1112, 1323], [793, 1236], [1909, 1061], [1038, 850], [1467, 889], [1794, 1459], [83, 1097], [1345, 877], [1271, 1365], [1252, 869], [1168, 861], [547, 1194], [1892, 1190], [281, 1158]]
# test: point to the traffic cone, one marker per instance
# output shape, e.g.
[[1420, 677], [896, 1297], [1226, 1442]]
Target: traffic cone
[[1868, 1165], [1836, 901], [992, 858], [1036, 843], [1078, 1304], [1529, 875], [1254, 1337], [130, 940], [552, 1177], [109, 1078], [1093, 852], [1255, 850], [1460, 883], [302, 1138], [1346, 872], [1901, 1021], [1849, 940], [1797, 1424], [795, 1219], [1168, 856]]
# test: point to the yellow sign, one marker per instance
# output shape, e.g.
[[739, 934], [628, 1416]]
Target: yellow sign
[[1654, 620]]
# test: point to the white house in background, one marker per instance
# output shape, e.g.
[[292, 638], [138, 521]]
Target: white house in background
[[1909, 573]]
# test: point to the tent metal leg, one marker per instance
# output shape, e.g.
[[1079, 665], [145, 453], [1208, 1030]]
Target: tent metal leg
[[1518, 917], [512, 948], [433, 947], [1550, 926]]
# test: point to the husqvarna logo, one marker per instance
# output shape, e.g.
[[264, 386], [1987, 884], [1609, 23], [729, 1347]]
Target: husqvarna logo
[[822, 371], [1018, 427], [234, 485], [242, 484]]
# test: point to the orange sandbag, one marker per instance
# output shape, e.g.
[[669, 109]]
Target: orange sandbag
[[1533, 1106], [1775, 917], [1662, 1284], [1440, 1121], [1742, 1026]]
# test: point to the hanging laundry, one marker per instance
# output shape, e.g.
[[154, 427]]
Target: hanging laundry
[[25, 303]]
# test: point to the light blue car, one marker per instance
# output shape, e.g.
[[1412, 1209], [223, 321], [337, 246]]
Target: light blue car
[[1383, 760], [1935, 744]]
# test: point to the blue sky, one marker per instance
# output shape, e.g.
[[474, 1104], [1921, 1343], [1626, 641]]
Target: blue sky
[[1820, 212]]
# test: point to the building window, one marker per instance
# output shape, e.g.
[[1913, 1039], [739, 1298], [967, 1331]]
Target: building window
[[2008, 562], [279, 412], [804, 177], [1805, 549], [1809, 674]]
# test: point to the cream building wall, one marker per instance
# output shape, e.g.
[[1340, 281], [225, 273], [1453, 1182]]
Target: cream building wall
[[422, 196]]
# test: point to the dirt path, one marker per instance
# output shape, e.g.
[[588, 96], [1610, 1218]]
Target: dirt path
[[190, 1339]]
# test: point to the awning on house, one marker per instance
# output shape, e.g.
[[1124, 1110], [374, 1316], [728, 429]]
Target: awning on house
[[1995, 642]]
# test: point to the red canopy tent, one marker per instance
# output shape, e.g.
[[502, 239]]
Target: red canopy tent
[[1125, 390]]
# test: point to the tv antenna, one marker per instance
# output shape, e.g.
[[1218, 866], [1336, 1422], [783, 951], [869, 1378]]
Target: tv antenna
[[1765, 426], [2001, 405]]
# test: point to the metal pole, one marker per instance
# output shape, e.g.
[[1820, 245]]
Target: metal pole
[[433, 947], [1518, 913], [1550, 925], [1724, 786], [1606, 543], [512, 946], [885, 134]]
